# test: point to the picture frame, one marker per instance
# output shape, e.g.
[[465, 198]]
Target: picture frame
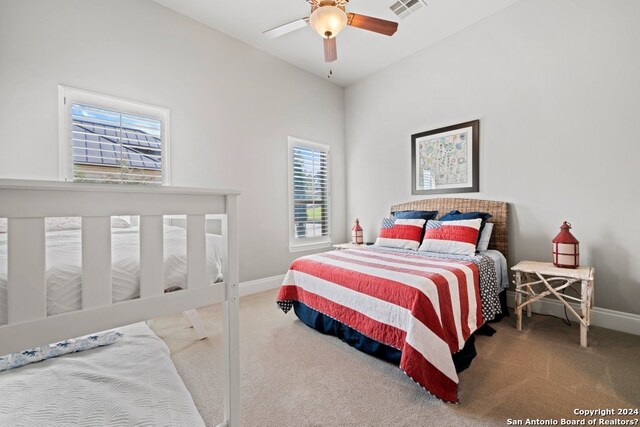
[[446, 160]]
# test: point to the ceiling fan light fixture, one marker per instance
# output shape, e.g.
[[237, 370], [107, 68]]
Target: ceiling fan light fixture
[[328, 21]]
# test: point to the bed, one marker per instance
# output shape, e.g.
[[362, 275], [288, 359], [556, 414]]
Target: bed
[[63, 251], [67, 283], [417, 309], [130, 382]]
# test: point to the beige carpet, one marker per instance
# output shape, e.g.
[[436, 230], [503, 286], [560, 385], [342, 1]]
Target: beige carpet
[[295, 376]]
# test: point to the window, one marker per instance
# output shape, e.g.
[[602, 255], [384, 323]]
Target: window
[[111, 140], [308, 195]]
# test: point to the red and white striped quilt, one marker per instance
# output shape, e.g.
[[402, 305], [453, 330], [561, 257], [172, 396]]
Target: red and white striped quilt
[[425, 307]]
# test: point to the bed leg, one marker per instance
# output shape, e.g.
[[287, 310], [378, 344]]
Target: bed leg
[[231, 319], [194, 319], [231, 362], [518, 300]]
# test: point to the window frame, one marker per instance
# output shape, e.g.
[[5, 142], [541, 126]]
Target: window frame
[[307, 243], [67, 96]]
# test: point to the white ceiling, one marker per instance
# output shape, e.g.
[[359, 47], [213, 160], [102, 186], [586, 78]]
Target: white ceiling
[[360, 53]]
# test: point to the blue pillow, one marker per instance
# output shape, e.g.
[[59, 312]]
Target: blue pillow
[[426, 215], [456, 215]]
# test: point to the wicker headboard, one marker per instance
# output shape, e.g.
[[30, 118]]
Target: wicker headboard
[[499, 210]]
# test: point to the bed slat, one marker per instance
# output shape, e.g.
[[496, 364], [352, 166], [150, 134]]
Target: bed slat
[[196, 252], [151, 256], [96, 262], [27, 289]]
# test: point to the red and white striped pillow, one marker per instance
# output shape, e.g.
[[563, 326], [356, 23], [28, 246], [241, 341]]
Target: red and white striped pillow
[[451, 237], [400, 233]]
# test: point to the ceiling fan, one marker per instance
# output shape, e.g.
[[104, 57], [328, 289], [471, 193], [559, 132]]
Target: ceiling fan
[[328, 18]]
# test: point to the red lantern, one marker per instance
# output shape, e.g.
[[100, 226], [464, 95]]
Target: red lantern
[[566, 251], [356, 233]]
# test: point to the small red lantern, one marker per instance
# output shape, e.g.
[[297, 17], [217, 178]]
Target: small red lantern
[[356, 233], [566, 250]]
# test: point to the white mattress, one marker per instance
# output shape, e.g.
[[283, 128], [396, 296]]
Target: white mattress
[[130, 383], [64, 260]]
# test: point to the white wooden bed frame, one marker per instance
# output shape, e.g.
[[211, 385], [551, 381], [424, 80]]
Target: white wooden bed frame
[[26, 204]]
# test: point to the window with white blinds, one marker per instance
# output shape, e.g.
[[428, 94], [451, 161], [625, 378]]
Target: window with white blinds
[[110, 140], [309, 195]]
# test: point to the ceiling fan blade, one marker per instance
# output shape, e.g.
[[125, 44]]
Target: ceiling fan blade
[[289, 27], [388, 28], [330, 52]]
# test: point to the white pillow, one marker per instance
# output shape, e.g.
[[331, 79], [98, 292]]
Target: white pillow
[[62, 223], [68, 223], [52, 224], [75, 223], [119, 222], [485, 236]]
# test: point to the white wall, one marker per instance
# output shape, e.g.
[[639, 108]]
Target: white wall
[[232, 107], [556, 87]]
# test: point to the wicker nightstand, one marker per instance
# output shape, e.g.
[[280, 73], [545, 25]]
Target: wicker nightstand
[[546, 275]]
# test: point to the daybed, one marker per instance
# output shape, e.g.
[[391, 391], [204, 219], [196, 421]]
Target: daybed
[[114, 390]]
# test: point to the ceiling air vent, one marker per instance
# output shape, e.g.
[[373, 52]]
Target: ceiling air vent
[[404, 8]]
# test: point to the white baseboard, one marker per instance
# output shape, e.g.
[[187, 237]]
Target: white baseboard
[[260, 285], [602, 317]]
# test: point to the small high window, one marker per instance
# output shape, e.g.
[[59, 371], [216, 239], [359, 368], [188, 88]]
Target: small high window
[[110, 140]]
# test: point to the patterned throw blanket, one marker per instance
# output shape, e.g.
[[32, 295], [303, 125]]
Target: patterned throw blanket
[[425, 307]]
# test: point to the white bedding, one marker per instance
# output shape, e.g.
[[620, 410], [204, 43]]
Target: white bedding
[[64, 260], [130, 383]]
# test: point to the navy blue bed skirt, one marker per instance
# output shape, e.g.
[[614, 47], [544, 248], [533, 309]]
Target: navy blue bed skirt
[[329, 326]]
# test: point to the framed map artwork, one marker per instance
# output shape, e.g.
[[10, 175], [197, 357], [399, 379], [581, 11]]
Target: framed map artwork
[[445, 160]]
